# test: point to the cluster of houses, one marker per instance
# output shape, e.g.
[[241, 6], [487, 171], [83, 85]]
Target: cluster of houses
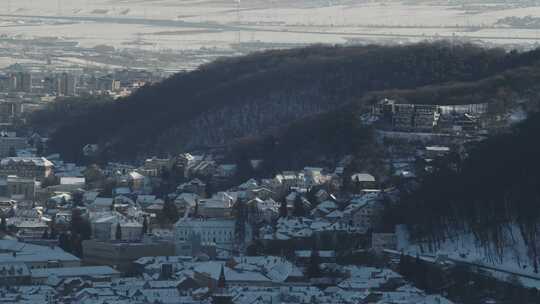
[[190, 243], [40, 195], [184, 279]]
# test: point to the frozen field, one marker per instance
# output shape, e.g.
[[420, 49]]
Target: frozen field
[[190, 25]]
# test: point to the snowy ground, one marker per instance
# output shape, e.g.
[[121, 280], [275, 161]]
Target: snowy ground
[[465, 248], [205, 23]]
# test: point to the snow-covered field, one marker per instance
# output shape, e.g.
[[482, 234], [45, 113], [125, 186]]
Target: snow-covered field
[[203, 23], [512, 257]]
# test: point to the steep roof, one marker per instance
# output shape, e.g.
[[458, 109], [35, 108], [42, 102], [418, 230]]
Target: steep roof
[[37, 161]]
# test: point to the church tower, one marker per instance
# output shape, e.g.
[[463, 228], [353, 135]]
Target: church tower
[[221, 295]]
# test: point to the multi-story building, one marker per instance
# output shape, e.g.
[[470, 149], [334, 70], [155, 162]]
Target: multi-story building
[[88, 273], [21, 82], [66, 85], [218, 232], [35, 256], [425, 118], [10, 144], [215, 207], [104, 228], [12, 274], [21, 187], [408, 117], [363, 213], [25, 82], [156, 166], [30, 167], [9, 110], [193, 186], [107, 83]]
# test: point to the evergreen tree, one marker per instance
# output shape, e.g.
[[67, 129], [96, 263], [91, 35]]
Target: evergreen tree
[[419, 273], [435, 279], [80, 226], [53, 235], [40, 149], [145, 225], [244, 169], [86, 230], [283, 212], [64, 242], [357, 185], [76, 245], [404, 265], [298, 209], [170, 211], [314, 266], [196, 211], [77, 198], [118, 233], [241, 217], [76, 221], [3, 225], [347, 178], [311, 194]]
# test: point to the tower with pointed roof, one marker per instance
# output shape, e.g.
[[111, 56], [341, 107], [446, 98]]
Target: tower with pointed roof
[[221, 294], [221, 284]]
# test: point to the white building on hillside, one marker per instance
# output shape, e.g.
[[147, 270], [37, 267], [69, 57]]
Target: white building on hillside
[[104, 227], [212, 232]]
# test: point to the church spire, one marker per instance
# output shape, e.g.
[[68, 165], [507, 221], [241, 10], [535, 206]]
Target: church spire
[[222, 296], [221, 281]]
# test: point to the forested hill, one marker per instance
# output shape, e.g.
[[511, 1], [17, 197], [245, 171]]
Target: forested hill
[[254, 95], [496, 188]]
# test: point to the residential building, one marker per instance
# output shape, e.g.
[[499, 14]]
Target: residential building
[[66, 85], [104, 228], [35, 256], [22, 188], [363, 213], [215, 208], [107, 83], [8, 111], [208, 275], [193, 186], [29, 167], [12, 274], [220, 232], [154, 166], [186, 201], [136, 181], [121, 255], [21, 82], [90, 273], [10, 144]]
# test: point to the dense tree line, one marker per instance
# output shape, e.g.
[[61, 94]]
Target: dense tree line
[[502, 92], [257, 94], [65, 111], [319, 139], [79, 231], [464, 285], [489, 193]]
